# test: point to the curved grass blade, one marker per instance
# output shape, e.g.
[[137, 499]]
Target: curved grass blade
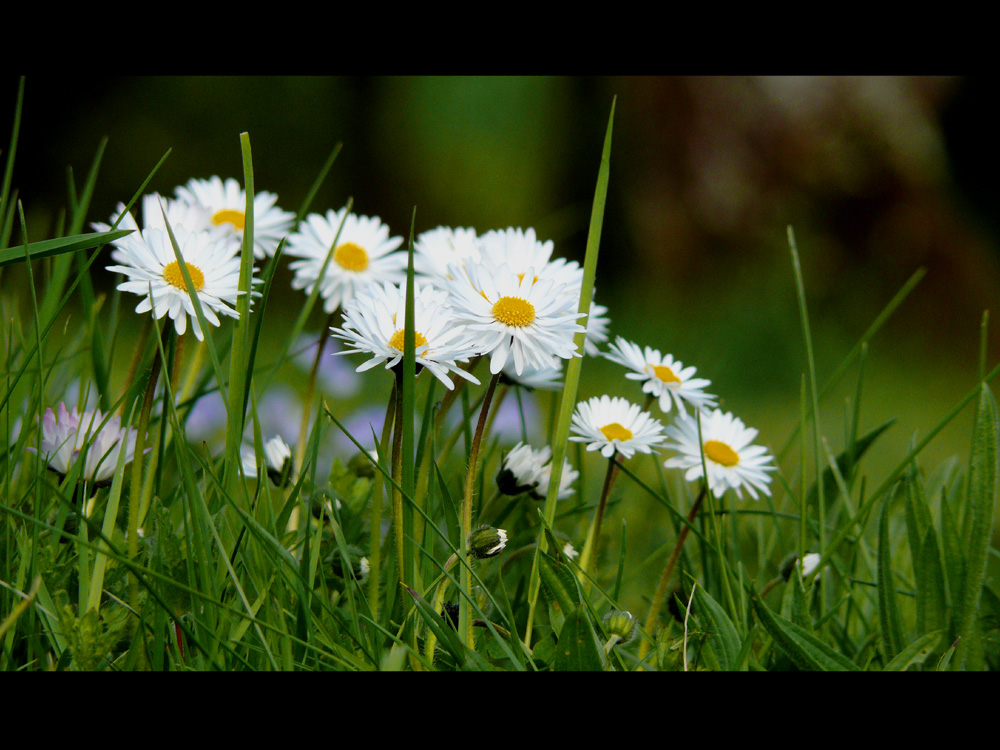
[[888, 607], [60, 245]]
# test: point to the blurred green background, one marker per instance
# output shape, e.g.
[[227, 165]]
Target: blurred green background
[[879, 176]]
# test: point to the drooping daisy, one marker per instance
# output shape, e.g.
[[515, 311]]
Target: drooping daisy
[[524, 469], [65, 437], [363, 255], [515, 316], [374, 323], [731, 459], [436, 249], [147, 259], [277, 459], [225, 204], [615, 424], [662, 376]]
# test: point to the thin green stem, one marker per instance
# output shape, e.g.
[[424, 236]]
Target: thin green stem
[[589, 553]]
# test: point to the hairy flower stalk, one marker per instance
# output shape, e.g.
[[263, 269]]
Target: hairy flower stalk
[[464, 616], [594, 535], [668, 571]]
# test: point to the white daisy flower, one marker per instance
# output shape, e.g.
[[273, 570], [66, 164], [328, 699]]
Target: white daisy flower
[[147, 259], [809, 563], [730, 458], [225, 204], [277, 455], [597, 329], [662, 376], [65, 437], [374, 323], [513, 316], [436, 249], [570, 551], [192, 217], [521, 251], [363, 256], [524, 469], [615, 424]]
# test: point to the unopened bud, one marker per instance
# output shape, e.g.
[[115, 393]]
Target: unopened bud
[[621, 625], [487, 541]]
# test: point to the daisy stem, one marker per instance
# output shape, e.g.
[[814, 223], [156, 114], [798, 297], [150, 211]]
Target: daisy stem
[[594, 535], [668, 572], [375, 552], [464, 616], [135, 489], [300, 446]]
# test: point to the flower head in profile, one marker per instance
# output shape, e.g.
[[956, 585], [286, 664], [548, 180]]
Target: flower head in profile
[[515, 317], [277, 460], [223, 206], [524, 469], [615, 425], [663, 377], [147, 258], [362, 255], [731, 459], [374, 323], [66, 437]]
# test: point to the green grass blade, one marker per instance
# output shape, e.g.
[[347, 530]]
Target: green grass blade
[[806, 650], [984, 464], [60, 245], [889, 617]]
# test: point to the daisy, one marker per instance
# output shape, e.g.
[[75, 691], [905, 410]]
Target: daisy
[[66, 436], [193, 218], [521, 251], [374, 323], [362, 256], [514, 316], [523, 469], [277, 458], [730, 458], [436, 249], [224, 206], [614, 424], [597, 329], [147, 259], [662, 377]]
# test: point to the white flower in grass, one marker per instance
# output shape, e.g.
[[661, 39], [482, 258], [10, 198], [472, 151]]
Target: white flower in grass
[[615, 424], [65, 437], [363, 255], [731, 459], [809, 562], [522, 251], [514, 316], [374, 323], [597, 329], [524, 469], [224, 205], [570, 551], [277, 457], [191, 217], [213, 263], [662, 376], [436, 249]]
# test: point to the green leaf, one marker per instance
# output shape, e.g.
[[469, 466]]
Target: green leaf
[[559, 583], [954, 560], [846, 464], [806, 650], [722, 635], [932, 605], [888, 607], [578, 649], [48, 248], [916, 653], [982, 492]]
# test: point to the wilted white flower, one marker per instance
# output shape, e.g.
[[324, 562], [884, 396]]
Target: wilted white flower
[[66, 437]]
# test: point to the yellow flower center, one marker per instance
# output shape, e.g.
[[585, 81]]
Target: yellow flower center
[[514, 311], [615, 431], [229, 216], [175, 277], [351, 257], [721, 453], [665, 374], [396, 342]]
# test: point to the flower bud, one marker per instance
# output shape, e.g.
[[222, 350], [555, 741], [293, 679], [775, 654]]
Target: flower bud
[[486, 541], [621, 625]]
